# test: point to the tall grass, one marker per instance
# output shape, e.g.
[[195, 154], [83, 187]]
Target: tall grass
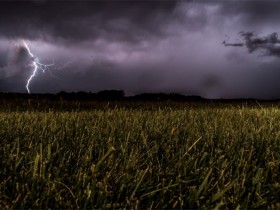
[[202, 157]]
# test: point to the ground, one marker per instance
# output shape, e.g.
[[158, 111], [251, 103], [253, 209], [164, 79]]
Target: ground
[[100, 154]]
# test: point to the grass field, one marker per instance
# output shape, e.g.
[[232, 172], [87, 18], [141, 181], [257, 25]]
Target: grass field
[[184, 155]]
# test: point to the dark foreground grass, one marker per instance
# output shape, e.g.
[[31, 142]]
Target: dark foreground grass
[[208, 157]]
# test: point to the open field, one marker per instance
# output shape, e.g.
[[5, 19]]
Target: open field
[[139, 155]]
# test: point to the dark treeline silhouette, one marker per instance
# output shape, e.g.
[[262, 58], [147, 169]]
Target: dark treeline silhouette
[[116, 95], [105, 95], [80, 96], [165, 96], [85, 96]]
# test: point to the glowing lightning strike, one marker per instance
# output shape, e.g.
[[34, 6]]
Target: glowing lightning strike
[[37, 65]]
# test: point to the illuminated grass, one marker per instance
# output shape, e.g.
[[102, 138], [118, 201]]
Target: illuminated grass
[[137, 158]]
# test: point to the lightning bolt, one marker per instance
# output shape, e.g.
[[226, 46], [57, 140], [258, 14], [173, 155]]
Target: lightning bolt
[[37, 65]]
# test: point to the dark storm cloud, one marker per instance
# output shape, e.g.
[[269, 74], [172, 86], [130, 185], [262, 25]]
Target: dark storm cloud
[[87, 20], [268, 45], [232, 44], [253, 11]]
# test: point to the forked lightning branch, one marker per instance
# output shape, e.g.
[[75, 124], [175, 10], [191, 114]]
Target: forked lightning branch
[[36, 64]]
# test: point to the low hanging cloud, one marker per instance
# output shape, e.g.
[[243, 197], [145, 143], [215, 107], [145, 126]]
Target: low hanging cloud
[[268, 45]]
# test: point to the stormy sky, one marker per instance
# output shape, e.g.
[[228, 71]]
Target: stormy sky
[[215, 49]]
